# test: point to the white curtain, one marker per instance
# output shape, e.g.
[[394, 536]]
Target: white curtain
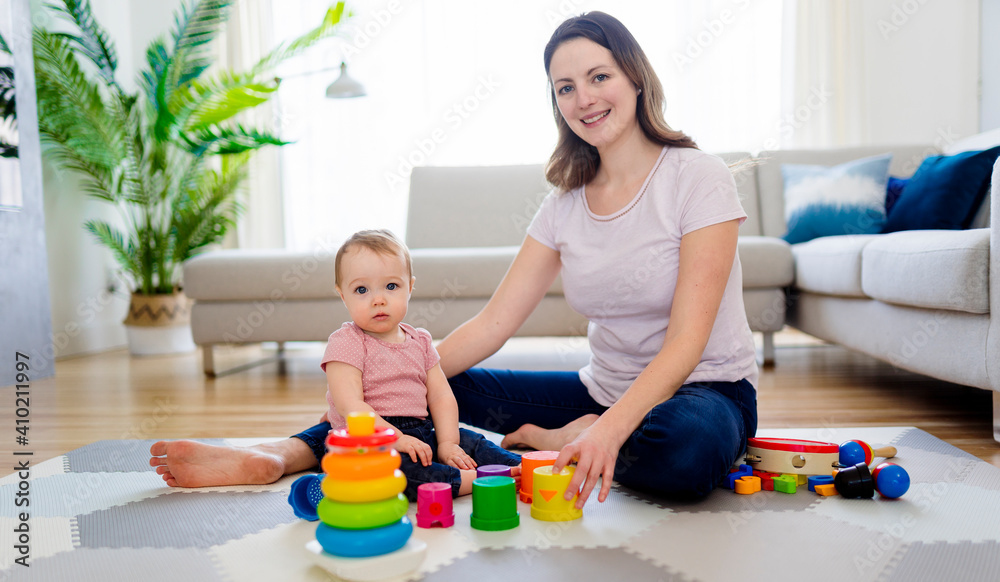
[[823, 99], [249, 35], [462, 83]]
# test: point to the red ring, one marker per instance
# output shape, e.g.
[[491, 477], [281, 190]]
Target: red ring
[[793, 445], [340, 438]]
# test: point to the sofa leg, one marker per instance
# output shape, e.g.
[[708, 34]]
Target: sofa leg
[[996, 416], [281, 348], [768, 348], [208, 360]]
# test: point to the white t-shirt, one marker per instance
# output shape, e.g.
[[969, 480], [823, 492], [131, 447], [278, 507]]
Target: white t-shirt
[[620, 271]]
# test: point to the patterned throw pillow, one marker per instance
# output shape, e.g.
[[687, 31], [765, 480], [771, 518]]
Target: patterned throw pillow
[[828, 201]]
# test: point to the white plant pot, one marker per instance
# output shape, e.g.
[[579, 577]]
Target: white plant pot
[[156, 341]]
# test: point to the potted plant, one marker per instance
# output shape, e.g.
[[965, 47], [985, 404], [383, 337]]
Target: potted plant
[[170, 156]]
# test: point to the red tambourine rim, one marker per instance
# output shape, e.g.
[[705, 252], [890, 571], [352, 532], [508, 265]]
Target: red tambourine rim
[[793, 445], [382, 436]]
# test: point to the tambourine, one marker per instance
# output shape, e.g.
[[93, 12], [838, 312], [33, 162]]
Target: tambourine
[[803, 457]]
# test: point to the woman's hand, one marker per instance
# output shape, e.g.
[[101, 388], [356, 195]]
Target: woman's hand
[[416, 448], [452, 454], [595, 454]]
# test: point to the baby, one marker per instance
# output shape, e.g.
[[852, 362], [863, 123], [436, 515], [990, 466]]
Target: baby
[[377, 363]]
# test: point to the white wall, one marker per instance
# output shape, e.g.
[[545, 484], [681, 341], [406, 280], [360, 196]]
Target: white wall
[[921, 71], [989, 98], [85, 316]]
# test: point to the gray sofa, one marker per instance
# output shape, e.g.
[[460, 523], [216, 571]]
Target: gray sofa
[[919, 300]]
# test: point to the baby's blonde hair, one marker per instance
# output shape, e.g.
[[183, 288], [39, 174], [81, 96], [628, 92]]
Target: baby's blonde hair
[[380, 241]]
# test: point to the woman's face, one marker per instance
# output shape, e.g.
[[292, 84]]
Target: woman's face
[[594, 96]]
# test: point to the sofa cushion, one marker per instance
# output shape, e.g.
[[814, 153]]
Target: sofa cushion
[[845, 199], [240, 274], [767, 262], [944, 193], [933, 269], [462, 272], [831, 265]]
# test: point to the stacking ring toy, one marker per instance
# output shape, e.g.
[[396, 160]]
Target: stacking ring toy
[[340, 438], [359, 450], [361, 467], [363, 543], [364, 491], [362, 515]]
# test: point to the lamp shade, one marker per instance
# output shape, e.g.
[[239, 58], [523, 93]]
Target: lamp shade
[[345, 86]]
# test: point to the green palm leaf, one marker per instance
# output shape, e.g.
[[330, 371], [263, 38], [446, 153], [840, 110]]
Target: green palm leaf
[[3, 46], [93, 41], [231, 140], [284, 51]]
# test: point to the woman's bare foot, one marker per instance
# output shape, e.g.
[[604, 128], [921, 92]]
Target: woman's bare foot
[[541, 439], [192, 464]]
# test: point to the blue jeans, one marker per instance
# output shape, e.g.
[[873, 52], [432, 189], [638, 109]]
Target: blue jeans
[[482, 451], [682, 448]]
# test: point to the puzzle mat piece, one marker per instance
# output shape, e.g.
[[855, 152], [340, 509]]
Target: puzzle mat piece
[[984, 476], [49, 536], [761, 546], [966, 561], [606, 524], [70, 494], [722, 499], [873, 435], [53, 466], [932, 467], [184, 520], [122, 565], [277, 553], [918, 439], [548, 565], [115, 455], [929, 512], [444, 546]]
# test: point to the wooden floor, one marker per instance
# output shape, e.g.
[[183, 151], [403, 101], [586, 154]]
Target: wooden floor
[[114, 396]]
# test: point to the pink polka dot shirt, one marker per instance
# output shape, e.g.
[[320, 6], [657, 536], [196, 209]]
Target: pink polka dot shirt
[[393, 376]]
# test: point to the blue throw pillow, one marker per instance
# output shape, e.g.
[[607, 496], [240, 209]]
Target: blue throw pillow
[[893, 192], [944, 193], [844, 199]]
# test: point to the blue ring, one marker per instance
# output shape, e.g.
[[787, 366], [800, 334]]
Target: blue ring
[[363, 543]]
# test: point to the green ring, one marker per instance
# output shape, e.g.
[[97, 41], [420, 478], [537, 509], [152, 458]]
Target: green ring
[[362, 515]]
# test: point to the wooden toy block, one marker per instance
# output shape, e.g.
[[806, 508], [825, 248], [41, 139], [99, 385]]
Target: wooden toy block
[[803, 479], [767, 484], [748, 484], [785, 483], [826, 490]]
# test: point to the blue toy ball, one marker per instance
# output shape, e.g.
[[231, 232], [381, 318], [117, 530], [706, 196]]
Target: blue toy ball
[[852, 453], [891, 480], [305, 495]]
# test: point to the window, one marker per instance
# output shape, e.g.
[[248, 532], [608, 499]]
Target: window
[[462, 83]]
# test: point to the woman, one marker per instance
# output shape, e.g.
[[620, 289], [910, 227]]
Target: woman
[[643, 228]]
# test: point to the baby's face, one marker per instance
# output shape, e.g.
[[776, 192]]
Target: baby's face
[[376, 290]]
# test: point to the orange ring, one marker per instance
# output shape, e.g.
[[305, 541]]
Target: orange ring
[[360, 467]]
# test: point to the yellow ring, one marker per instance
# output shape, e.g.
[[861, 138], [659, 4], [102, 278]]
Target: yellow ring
[[361, 467], [362, 491]]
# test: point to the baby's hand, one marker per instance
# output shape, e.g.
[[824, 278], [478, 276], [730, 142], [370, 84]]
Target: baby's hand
[[416, 448], [452, 454]]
